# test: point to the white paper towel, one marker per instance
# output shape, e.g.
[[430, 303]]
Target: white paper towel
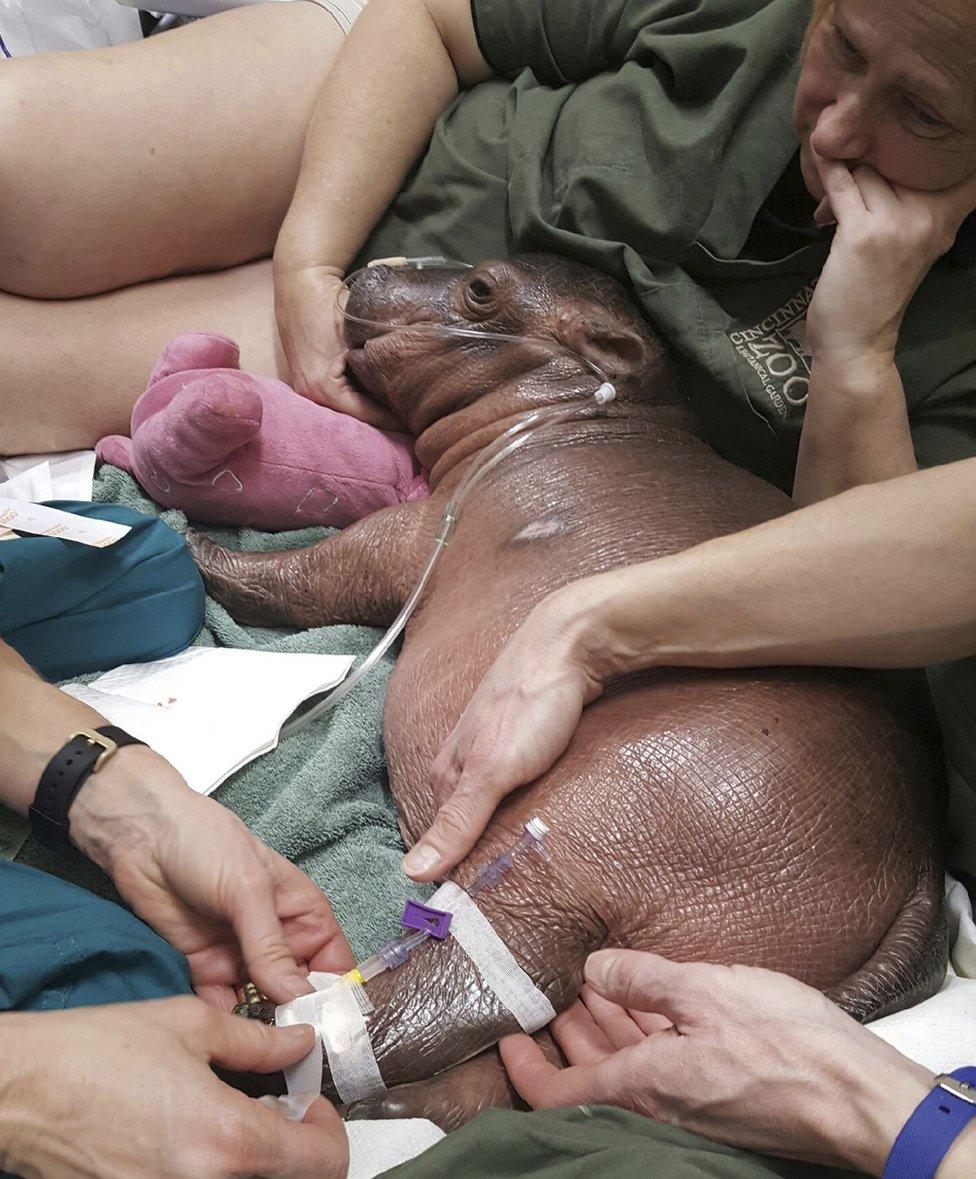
[[940, 1032], [375, 1147]]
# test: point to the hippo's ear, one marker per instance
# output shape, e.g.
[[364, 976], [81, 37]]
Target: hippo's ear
[[612, 345]]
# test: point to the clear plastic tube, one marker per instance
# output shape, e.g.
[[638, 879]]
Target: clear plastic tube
[[397, 951], [506, 444]]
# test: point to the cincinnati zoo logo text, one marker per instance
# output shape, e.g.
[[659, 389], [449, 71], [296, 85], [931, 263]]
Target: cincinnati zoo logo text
[[776, 352]]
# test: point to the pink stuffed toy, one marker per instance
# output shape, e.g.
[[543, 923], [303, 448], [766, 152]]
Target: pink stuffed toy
[[230, 448]]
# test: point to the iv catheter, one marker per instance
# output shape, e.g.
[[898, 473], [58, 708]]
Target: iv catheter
[[252, 1004], [507, 443], [397, 951]]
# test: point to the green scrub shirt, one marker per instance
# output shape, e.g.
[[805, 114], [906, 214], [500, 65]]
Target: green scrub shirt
[[653, 139], [592, 1142], [644, 137]]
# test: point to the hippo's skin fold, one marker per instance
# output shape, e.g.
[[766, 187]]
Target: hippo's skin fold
[[779, 817]]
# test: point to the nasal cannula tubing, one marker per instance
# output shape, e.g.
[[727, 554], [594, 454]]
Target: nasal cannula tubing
[[396, 952], [506, 444]]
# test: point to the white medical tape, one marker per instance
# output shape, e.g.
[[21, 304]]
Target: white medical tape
[[493, 960], [346, 12], [335, 1013]]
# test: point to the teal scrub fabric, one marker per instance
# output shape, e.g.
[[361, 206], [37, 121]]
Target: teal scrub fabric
[[69, 608], [61, 947]]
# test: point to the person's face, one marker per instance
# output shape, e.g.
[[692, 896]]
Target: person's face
[[891, 84]]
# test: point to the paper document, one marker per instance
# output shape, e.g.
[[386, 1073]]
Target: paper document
[[210, 710]]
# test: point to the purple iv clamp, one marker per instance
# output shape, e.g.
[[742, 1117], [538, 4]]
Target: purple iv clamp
[[427, 922]]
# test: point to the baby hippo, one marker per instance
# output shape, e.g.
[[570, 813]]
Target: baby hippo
[[781, 818]]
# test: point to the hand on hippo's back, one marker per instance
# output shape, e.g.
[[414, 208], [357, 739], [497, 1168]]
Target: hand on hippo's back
[[741, 1055], [516, 725]]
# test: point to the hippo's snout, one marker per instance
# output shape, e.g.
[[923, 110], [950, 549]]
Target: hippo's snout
[[384, 297]]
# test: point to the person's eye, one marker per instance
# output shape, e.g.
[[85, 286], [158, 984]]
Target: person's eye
[[925, 121], [844, 43]]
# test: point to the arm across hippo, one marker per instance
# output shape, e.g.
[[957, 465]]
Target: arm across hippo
[[772, 817]]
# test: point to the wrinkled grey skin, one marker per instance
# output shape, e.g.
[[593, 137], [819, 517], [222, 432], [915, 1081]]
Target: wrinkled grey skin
[[775, 817]]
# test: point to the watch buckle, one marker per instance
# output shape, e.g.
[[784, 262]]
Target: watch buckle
[[108, 746], [961, 1089]]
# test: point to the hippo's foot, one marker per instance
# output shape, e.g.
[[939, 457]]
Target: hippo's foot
[[455, 1096], [449, 1100], [250, 585]]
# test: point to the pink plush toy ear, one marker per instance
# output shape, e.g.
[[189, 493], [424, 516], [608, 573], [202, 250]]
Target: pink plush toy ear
[[196, 350]]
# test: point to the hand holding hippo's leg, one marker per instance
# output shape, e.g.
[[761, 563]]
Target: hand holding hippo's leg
[[362, 574]]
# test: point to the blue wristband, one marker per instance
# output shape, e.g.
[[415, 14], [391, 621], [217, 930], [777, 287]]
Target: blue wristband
[[937, 1122]]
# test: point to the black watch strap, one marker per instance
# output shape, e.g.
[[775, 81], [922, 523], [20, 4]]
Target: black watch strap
[[64, 775]]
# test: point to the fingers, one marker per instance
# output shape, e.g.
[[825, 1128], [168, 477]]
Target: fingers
[[315, 1148], [314, 935], [646, 982], [841, 188], [456, 828], [615, 1022], [219, 996], [650, 1022], [824, 214], [267, 956], [542, 1084], [579, 1036], [340, 394], [245, 1045]]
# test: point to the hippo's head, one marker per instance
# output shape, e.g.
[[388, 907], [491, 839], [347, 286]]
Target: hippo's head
[[568, 318]]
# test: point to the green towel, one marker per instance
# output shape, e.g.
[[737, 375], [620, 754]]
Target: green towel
[[321, 798]]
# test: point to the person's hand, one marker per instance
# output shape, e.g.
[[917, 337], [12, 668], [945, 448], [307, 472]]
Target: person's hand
[[128, 1089], [309, 329], [193, 871], [887, 240], [520, 719], [740, 1055]]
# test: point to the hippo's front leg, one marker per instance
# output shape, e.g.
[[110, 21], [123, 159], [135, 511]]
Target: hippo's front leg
[[362, 574]]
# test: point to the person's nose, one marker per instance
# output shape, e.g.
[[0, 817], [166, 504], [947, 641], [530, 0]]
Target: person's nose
[[842, 132]]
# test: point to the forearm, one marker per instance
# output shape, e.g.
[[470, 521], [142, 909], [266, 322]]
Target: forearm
[[960, 1162], [373, 118], [876, 577], [36, 720], [855, 429]]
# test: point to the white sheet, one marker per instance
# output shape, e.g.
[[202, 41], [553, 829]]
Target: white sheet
[[941, 1032]]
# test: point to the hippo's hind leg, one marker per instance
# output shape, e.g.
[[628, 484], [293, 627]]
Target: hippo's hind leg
[[910, 963], [362, 574], [456, 1096], [450, 1099]]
